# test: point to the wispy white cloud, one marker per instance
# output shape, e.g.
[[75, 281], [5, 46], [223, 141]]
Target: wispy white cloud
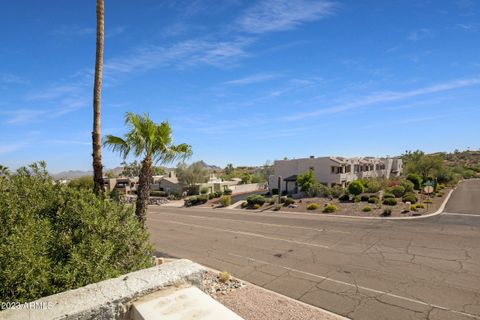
[[420, 34], [10, 147], [186, 53], [8, 78], [254, 78], [279, 15], [387, 96]]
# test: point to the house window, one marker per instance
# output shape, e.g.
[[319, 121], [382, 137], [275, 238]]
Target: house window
[[333, 169]]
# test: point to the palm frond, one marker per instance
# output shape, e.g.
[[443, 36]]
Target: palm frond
[[117, 144]]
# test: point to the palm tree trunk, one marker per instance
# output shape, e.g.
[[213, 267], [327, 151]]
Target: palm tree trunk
[[143, 191], [98, 185]]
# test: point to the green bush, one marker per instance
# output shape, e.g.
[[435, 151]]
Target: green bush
[[388, 196], [329, 208], [364, 197], [202, 199], [289, 201], [313, 206], [372, 185], [255, 199], [256, 206], [55, 238], [416, 180], [357, 199], [336, 191], [398, 191], [408, 185], [355, 187], [190, 201], [85, 182], [373, 199], [244, 204], [387, 212], [211, 196], [390, 201], [227, 192], [409, 197], [440, 194], [344, 197], [367, 209], [203, 190], [283, 199], [319, 190], [427, 201], [158, 194], [420, 206], [225, 201]]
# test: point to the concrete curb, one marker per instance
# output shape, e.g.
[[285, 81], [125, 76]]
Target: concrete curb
[[109, 299]]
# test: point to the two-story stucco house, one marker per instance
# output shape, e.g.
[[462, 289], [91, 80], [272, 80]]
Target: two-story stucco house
[[332, 170]]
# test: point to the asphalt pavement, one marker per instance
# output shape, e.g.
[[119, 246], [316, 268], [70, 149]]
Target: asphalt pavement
[[426, 268]]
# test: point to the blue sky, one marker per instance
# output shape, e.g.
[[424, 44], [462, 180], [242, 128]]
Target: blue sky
[[242, 81]]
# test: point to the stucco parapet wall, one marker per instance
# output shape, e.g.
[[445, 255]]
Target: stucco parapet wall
[[110, 299]]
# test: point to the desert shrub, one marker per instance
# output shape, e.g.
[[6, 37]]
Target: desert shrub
[[364, 197], [440, 194], [388, 196], [420, 206], [372, 185], [416, 180], [387, 212], [357, 199], [409, 197], [336, 191], [319, 190], [440, 186], [373, 199], [390, 201], [202, 199], [218, 194], [329, 208], [85, 182], [355, 187], [306, 180], [408, 185], [158, 194], [367, 209], [313, 206], [224, 277], [227, 192], [398, 191], [344, 197], [427, 201], [244, 204], [225, 201], [210, 196], [203, 190], [289, 201], [256, 199], [55, 238], [256, 206], [283, 199], [190, 201]]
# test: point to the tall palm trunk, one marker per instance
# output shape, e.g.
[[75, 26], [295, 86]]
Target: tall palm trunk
[[143, 190], [98, 185]]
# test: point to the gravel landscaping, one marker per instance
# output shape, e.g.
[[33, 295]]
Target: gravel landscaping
[[350, 208]]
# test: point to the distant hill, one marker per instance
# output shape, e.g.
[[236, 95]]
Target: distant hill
[[71, 174], [209, 167]]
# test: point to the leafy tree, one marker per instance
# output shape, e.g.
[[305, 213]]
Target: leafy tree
[[426, 166], [355, 187], [59, 238], [306, 180], [246, 178], [192, 174], [85, 182], [154, 143], [98, 187], [4, 171], [131, 169], [229, 169], [416, 180]]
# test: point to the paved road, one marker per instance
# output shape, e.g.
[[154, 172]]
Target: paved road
[[363, 269], [466, 199]]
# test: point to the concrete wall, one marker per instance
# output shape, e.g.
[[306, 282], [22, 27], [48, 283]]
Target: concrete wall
[[240, 188], [110, 299]]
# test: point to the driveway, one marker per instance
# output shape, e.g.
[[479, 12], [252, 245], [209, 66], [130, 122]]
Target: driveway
[[364, 269], [465, 199]]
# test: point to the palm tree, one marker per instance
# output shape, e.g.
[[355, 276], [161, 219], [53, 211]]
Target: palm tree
[[98, 184], [154, 143], [4, 171]]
